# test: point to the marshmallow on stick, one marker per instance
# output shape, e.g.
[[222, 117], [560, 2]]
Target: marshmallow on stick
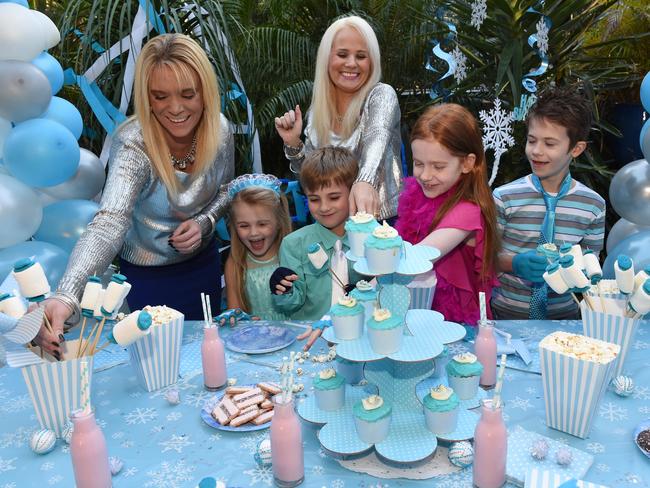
[[133, 327], [113, 295], [572, 273], [12, 305], [31, 279], [553, 278], [624, 272], [641, 277], [89, 299], [97, 311], [576, 252], [592, 266], [640, 300]]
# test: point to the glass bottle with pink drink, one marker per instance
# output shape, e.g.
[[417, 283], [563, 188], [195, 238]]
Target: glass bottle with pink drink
[[485, 347], [213, 358], [89, 453], [490, 447], [286, 444]]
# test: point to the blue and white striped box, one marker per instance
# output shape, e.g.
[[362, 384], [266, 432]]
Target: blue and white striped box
[[537, 478], [55, 387], [573, 388], [610, 328], [156, 357], [422, 290]]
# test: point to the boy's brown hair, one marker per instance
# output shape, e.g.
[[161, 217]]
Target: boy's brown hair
[[567, 107], [328, 165]]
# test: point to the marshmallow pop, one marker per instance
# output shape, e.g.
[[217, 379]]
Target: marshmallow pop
[[12, 305], [592, 266], [31, 279], [113, 295], [573, 274], [554, 279], [640, 301], [90, 296], [128, 330], [624, 272]]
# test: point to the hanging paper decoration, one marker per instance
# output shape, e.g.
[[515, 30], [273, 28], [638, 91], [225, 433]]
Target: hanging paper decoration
[[460, 64], [479, 13], [497, 133], [542, 36]]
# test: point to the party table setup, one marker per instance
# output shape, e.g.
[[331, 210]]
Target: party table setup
[[388, 396]]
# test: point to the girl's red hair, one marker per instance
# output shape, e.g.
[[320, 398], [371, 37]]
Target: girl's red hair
[[455, 128]]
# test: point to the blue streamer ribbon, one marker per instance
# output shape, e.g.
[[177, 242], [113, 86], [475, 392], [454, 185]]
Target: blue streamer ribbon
[[527, 82], [440, 54], [152, 16]]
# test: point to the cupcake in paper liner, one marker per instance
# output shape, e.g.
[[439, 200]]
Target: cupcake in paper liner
[[383, 249], [385, 332], [358, 227], [372, 417], [347, 318], [329, 389], [464, 372], [366, 295], [441, 410]]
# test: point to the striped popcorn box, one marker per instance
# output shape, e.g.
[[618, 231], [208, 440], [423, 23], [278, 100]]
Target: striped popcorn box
[[575, 373], [156, 357], [422, 290], [612, 328], [55, 386], [538, 478]]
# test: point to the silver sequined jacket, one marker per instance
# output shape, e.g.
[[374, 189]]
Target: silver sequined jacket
[[137, 215], [376, 143]]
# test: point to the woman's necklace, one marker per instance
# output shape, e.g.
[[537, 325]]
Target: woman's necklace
[[182, 163]]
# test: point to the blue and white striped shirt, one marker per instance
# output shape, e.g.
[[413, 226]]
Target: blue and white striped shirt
[[579, 219]]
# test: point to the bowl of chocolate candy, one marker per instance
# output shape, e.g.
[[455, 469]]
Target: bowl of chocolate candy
[[642, 437]]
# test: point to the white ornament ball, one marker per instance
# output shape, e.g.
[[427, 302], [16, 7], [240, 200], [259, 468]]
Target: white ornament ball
[[263, 453], [115, 464], [461, 454], [623, 385], [66, 433], [42, 441]]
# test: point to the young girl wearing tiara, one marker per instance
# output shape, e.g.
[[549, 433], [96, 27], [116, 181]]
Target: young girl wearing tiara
[[258, 221], [448, 204]]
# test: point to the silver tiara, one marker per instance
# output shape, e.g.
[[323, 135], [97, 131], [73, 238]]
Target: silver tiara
[[253, 180]]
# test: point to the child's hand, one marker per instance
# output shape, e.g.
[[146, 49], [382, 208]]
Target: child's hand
[[232, 316], [529, 266], [314, 332], [281, 280]]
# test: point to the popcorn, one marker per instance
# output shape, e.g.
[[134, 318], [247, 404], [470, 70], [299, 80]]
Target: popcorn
[[580, 347], [385, 231], [161, 314]]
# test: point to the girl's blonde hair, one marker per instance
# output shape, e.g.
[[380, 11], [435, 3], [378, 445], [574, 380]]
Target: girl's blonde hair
[[185, 58], [264, 197], [323, 101]]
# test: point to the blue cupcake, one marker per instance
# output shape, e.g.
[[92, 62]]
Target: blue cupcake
[[441, 410], [358, 227], [372, 419], [366, 295], [383, 249], [464, 372], [329, 389], [347, 318], [385, 331]]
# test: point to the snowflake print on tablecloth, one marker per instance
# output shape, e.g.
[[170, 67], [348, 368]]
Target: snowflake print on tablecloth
[[174, 416], [17, 404], [644, 410], [9, 485], [479, 13], [596, 447], [317, 470], [128, 472], [175, 443], [603, 468], [215, 437], [170, 475], [7, 464], [56, 479], [260, 474], [250, 442], [612, 412], [181, 385], [47, 466], [640, 345], [456, 348], [337, 483], [460, 64], [641, 393], [497, 133], [197, 399], [522, 403], [17, 438], [542, 36], [140, 416]]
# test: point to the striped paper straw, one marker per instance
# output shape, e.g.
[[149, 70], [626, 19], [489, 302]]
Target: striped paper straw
[[481, 299], [85, 387]]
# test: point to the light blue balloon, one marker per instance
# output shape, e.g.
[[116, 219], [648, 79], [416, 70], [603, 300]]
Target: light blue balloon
[[629, 192], [621, 230], [52, 258], [41, 152], [21, 211], [52, 69], [66, 114], [64, 222], [645, 93], [644, 140], [24, 3], [637, 247]]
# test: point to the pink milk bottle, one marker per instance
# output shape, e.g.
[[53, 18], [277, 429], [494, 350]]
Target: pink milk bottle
[[485, 348], [490, 448], [88, 451], [213, 358], [286, 444]]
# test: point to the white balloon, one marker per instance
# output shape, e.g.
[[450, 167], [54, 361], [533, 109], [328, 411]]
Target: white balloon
[[85, 184], [22, 35], [51, 34], [5, 127]]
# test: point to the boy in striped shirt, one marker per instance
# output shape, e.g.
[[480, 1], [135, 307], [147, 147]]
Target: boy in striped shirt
[[547, 206]]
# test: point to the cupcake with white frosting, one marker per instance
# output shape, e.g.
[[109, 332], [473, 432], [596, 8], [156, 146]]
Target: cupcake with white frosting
[[385, 331], [383, 249], [358, 227], [441, 409], [347, 318], [372, 419], [366, 295], [464, 372], [329, 389]]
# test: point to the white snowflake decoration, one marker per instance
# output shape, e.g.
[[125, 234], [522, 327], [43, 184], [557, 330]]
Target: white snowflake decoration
[[522, 403], [170, 475], [460, 64], [479, 13], [542, 36], [7, 464], [612, 412], [175, 443], [141, 416], [497, 133], [260, 474]]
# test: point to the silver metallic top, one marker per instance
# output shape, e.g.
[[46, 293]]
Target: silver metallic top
[[137, 214], [376, 143]]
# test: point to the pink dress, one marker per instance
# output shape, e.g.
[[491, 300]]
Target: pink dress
[[458, 272]]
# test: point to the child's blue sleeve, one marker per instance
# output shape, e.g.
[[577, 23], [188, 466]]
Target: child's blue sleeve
[[291, 302]]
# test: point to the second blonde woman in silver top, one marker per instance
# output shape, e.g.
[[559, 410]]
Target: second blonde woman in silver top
[[350, 108]]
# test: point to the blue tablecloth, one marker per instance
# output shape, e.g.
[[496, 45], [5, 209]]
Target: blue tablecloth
[[169, 446]]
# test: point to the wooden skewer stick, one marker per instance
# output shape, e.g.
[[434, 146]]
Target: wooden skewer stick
[[97, 336], [103, 346], [87, 341], [81, 336]]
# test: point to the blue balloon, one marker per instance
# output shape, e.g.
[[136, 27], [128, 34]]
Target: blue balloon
[[644, 140], [645, 93], [52, 258], [41, 152], [637, 247], [24, 3], [64, 222], [66, 114], [52, 69]]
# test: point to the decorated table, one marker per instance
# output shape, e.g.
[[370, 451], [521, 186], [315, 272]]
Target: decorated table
[[167, 445]]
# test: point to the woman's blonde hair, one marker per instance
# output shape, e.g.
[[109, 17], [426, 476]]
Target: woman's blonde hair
[[265, 197], [185, 58], [323, 100]]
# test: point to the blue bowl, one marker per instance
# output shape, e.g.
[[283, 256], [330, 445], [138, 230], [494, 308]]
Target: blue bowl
[[645, 425]]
